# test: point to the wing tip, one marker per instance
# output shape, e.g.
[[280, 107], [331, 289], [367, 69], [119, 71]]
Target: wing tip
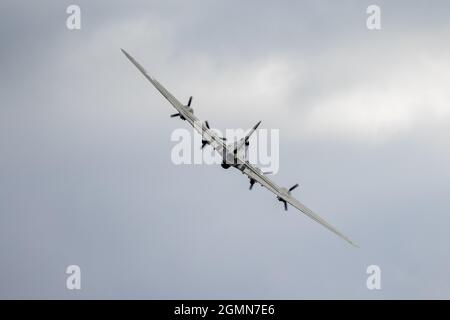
[[128, 56], [137, 65], [352, 243]]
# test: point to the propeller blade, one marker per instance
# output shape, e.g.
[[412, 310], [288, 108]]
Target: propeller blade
[[207, 125], [252, 182], [204, 143], [174, 115], [189, 102], [293, 187], [285, 206]]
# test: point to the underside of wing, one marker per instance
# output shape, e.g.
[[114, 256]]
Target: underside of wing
[[203, 128], [177, 104], [257, 176], [297, 204]]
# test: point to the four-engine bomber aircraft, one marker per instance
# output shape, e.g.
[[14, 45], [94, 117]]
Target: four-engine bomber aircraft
[[233, 155]]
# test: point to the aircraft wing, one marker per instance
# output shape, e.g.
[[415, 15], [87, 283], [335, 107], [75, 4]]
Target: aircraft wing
[[256, 174], [207, 134]]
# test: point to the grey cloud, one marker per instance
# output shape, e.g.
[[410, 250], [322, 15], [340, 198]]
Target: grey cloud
[[86, 176]]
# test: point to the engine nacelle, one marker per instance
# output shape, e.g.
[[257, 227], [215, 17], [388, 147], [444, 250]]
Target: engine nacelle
[[189, 109]]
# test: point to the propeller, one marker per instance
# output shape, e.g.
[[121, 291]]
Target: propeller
[[252, 182], [289, 192], [204, 142], [178, 114], [284, 202]]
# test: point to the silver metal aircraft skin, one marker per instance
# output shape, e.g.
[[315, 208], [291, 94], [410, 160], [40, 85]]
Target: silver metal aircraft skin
[[234, 155]]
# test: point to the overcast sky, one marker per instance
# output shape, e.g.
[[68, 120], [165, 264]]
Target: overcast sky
[[86, 176]]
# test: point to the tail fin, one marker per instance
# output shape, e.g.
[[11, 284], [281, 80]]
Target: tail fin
[[251, 132], [244, 141]]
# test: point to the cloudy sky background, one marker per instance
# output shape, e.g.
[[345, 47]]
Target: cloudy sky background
[[85, 170]]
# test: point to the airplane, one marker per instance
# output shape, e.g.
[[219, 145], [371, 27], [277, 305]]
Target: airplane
[[233, 155]]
